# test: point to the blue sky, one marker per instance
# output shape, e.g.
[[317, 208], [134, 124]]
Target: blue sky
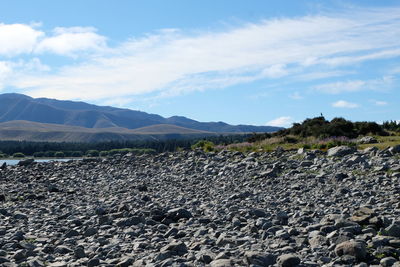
[[242, 62]]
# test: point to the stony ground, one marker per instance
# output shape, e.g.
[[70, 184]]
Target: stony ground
[[304, 208]]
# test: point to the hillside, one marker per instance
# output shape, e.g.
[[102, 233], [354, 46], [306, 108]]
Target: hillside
[[20, 107], [34, 131]]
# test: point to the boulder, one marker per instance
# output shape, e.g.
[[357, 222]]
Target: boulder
[[340, 151]]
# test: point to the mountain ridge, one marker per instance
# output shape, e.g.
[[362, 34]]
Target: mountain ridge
[[75, 113]]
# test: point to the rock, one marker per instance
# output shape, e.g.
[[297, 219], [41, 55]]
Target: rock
[[20, 216], [79, 252], [90, 231], [395, 149], [393, 229], [352, 248], [367, 140], [340, 151], [93, 262], [288, 260], [25, 162], [178, 248], [58, 264], [179, 213], [63, 250], [20, 255], [221, 263], [259, 259], [388, 261], [71, 233], [362, 215], [125, 262]]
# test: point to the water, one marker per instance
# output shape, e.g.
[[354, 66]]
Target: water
[[15, 161]]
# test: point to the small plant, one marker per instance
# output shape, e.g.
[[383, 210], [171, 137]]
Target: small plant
[[18, 155]]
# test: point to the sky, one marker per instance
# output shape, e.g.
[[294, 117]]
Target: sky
[[242, 62]]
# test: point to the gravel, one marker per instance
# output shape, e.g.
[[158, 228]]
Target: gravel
[[283, 208]]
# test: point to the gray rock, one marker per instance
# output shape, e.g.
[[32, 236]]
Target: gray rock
[[393, 229], [288, 260], [259, 259], [178, 248], [352, 248], [340, 151], [222, 263], [387, 262], [367, 140]]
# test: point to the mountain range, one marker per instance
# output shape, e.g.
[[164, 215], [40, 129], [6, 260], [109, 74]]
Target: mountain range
[[42, 119]]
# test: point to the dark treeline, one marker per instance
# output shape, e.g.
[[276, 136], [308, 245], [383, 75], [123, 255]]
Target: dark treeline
[[76, 149]]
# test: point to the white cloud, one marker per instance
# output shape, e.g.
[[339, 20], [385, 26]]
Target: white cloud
[[67, 41], [17, 39], [172, 62], [283, 121], [344, 104], [380, 103]]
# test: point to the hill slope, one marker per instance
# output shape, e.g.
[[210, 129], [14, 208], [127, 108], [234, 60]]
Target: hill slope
[[34, 131], [20, 107]]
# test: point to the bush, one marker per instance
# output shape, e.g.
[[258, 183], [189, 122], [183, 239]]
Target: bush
[[49, 154], [92, 153], [18, 155], [104, 153], [59, 154], [205, 145], [2, 155], [76, 154], [38, 154]]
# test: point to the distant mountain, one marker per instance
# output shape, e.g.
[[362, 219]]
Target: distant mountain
[[36, 131], [21, 107]]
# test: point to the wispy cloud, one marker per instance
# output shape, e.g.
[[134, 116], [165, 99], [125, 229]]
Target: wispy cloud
[[344, 104], [296, 96], [355, 85], [283, 121], [172, 62], [380, 103]]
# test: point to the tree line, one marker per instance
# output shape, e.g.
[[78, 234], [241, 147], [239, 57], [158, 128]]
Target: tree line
[[64, 149], [319, 127]]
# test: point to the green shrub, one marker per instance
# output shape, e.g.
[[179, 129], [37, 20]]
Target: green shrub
[[205, 145], [76, 154], [49, 154], [59, 154], [2, 155], [92, 153], [18, 155], [38, 154]]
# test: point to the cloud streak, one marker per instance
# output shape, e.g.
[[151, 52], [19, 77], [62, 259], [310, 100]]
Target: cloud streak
[[281, 121], [344, 104], [171, 62]]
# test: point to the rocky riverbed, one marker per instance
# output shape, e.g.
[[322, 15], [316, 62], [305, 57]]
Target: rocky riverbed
[[283, 208]]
